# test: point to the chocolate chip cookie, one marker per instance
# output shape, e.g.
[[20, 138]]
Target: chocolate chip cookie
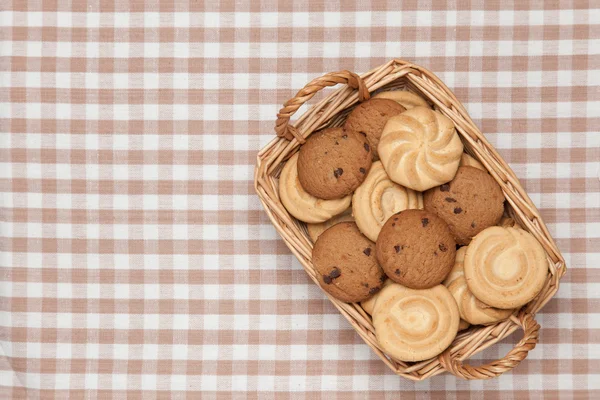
[[346, 264]]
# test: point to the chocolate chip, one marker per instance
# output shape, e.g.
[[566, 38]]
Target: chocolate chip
[[393, 224], [425, 221], [336, 142], [367, 147], [363, 133], [344, 136], [397, 272], [457, 210], [325, 152], [362, 170], [443, 247], [397, 248], [327, 279], [374, 290], [367, 251], [365, 285], [445, 187], [450, 200], [396, 219], [473, 224], [338, 172], [382, 278], [335, 273]]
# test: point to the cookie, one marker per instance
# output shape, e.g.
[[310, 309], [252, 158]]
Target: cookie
[[420, 149], [369, 118], [407, 99], [378, 198], [369, 304], [315, 230], [505, 267], [301, 204], [333, 163], [415, 325], [415, 248], [469, 203], [468, 161], [462, 325], [470, 308], [345, 263]]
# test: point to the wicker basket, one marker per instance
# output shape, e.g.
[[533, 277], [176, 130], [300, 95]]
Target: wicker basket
[[332, 111]]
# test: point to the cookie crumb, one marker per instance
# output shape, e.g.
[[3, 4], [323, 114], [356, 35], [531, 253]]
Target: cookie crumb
[[425, 221], [457, 210], [338, 172], [445, 187]]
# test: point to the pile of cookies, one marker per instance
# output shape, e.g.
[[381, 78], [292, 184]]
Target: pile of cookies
[[406, 223]]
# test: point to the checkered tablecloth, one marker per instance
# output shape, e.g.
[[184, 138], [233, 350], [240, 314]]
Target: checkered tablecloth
[[136, 260]]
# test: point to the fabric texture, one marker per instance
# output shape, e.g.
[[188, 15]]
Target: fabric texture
[[136, 260]]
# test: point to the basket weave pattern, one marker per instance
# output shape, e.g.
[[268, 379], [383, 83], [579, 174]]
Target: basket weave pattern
[[332, 111]]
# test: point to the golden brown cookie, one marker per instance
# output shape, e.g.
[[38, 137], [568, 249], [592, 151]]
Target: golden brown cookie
[[471, 309], [301, 204], [378, 198], [369, 304], [414, 325], [315, 230], [333, 162], [369, 118], [420, 148], [505, 267], [468, 161], [469, 203], [415, 248], [346, 265], [463, 325], [407, 99]]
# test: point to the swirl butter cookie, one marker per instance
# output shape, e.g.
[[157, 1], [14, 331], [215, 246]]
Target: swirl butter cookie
[[407, 99], [469, 203], [505, 267], [471, 309], [346, 265], [301, 204], [378, 198], [333, 162], [420, 149], [415, 325], [369, 118], [315, 230], [415, 248]]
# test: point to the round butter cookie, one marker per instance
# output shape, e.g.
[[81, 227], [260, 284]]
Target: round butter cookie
[[505, 267], [369, 118], [420, 149], [470, 308], [369, 304], [346, 265], [415, 248], [415, 325], [468, 161], [469, 203], [333, 162], [315, 230], [378, 198], [407, 99], [301, 204]]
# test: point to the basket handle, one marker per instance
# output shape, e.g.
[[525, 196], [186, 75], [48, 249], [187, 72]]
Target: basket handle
[[498, 367], [282, 125]]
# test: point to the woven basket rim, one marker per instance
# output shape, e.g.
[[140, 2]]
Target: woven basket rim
[[331, 111]]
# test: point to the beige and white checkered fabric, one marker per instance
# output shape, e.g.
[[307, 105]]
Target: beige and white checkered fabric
[[136, 260]]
